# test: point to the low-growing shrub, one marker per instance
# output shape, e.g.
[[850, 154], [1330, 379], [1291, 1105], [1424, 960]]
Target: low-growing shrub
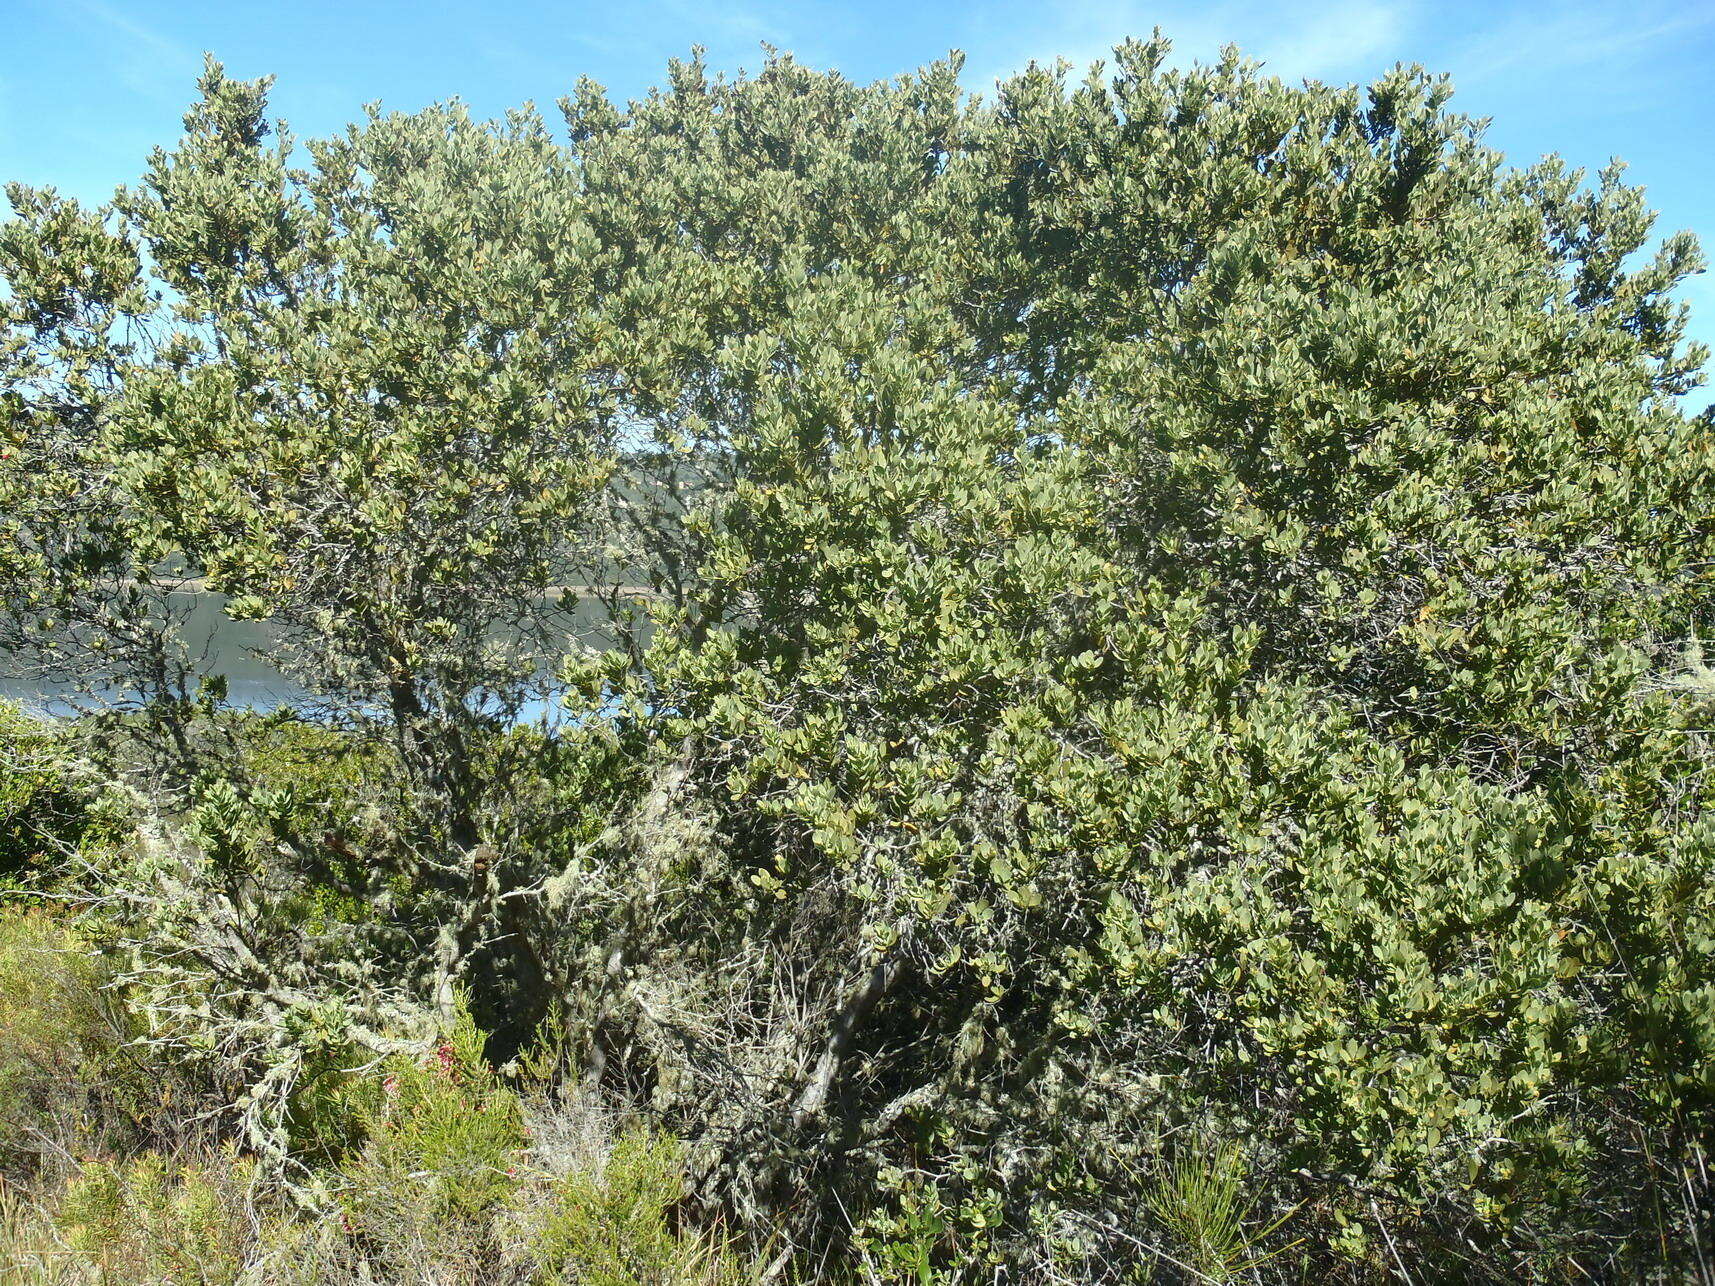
[[71, 1083], [443, 1127], [616, 1226], [438, 1181], [1202, 1205], [154, 1220]]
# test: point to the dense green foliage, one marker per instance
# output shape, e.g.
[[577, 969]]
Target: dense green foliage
[[1169, 736], [41, 812]]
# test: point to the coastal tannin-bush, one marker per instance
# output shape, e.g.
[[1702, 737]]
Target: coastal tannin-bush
[[1169, 738]]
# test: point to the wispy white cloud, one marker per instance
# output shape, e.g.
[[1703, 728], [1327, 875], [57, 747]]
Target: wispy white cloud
[[733, 33], [146, 61], [130, 28], [1575, 37], [1341, 39], [732, 23], [1079, 31], [1293, 40], [637, 40]]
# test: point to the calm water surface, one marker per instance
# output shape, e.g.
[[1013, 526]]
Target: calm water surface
[[242, 652]]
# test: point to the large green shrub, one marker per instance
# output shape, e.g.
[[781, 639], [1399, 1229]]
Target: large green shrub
[[1176, 604], [1249, 710]]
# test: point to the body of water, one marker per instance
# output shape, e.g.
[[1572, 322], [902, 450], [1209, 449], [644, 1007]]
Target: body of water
[[244, 653]]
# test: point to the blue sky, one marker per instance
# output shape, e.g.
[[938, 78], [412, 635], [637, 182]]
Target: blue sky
[[88, 86]]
